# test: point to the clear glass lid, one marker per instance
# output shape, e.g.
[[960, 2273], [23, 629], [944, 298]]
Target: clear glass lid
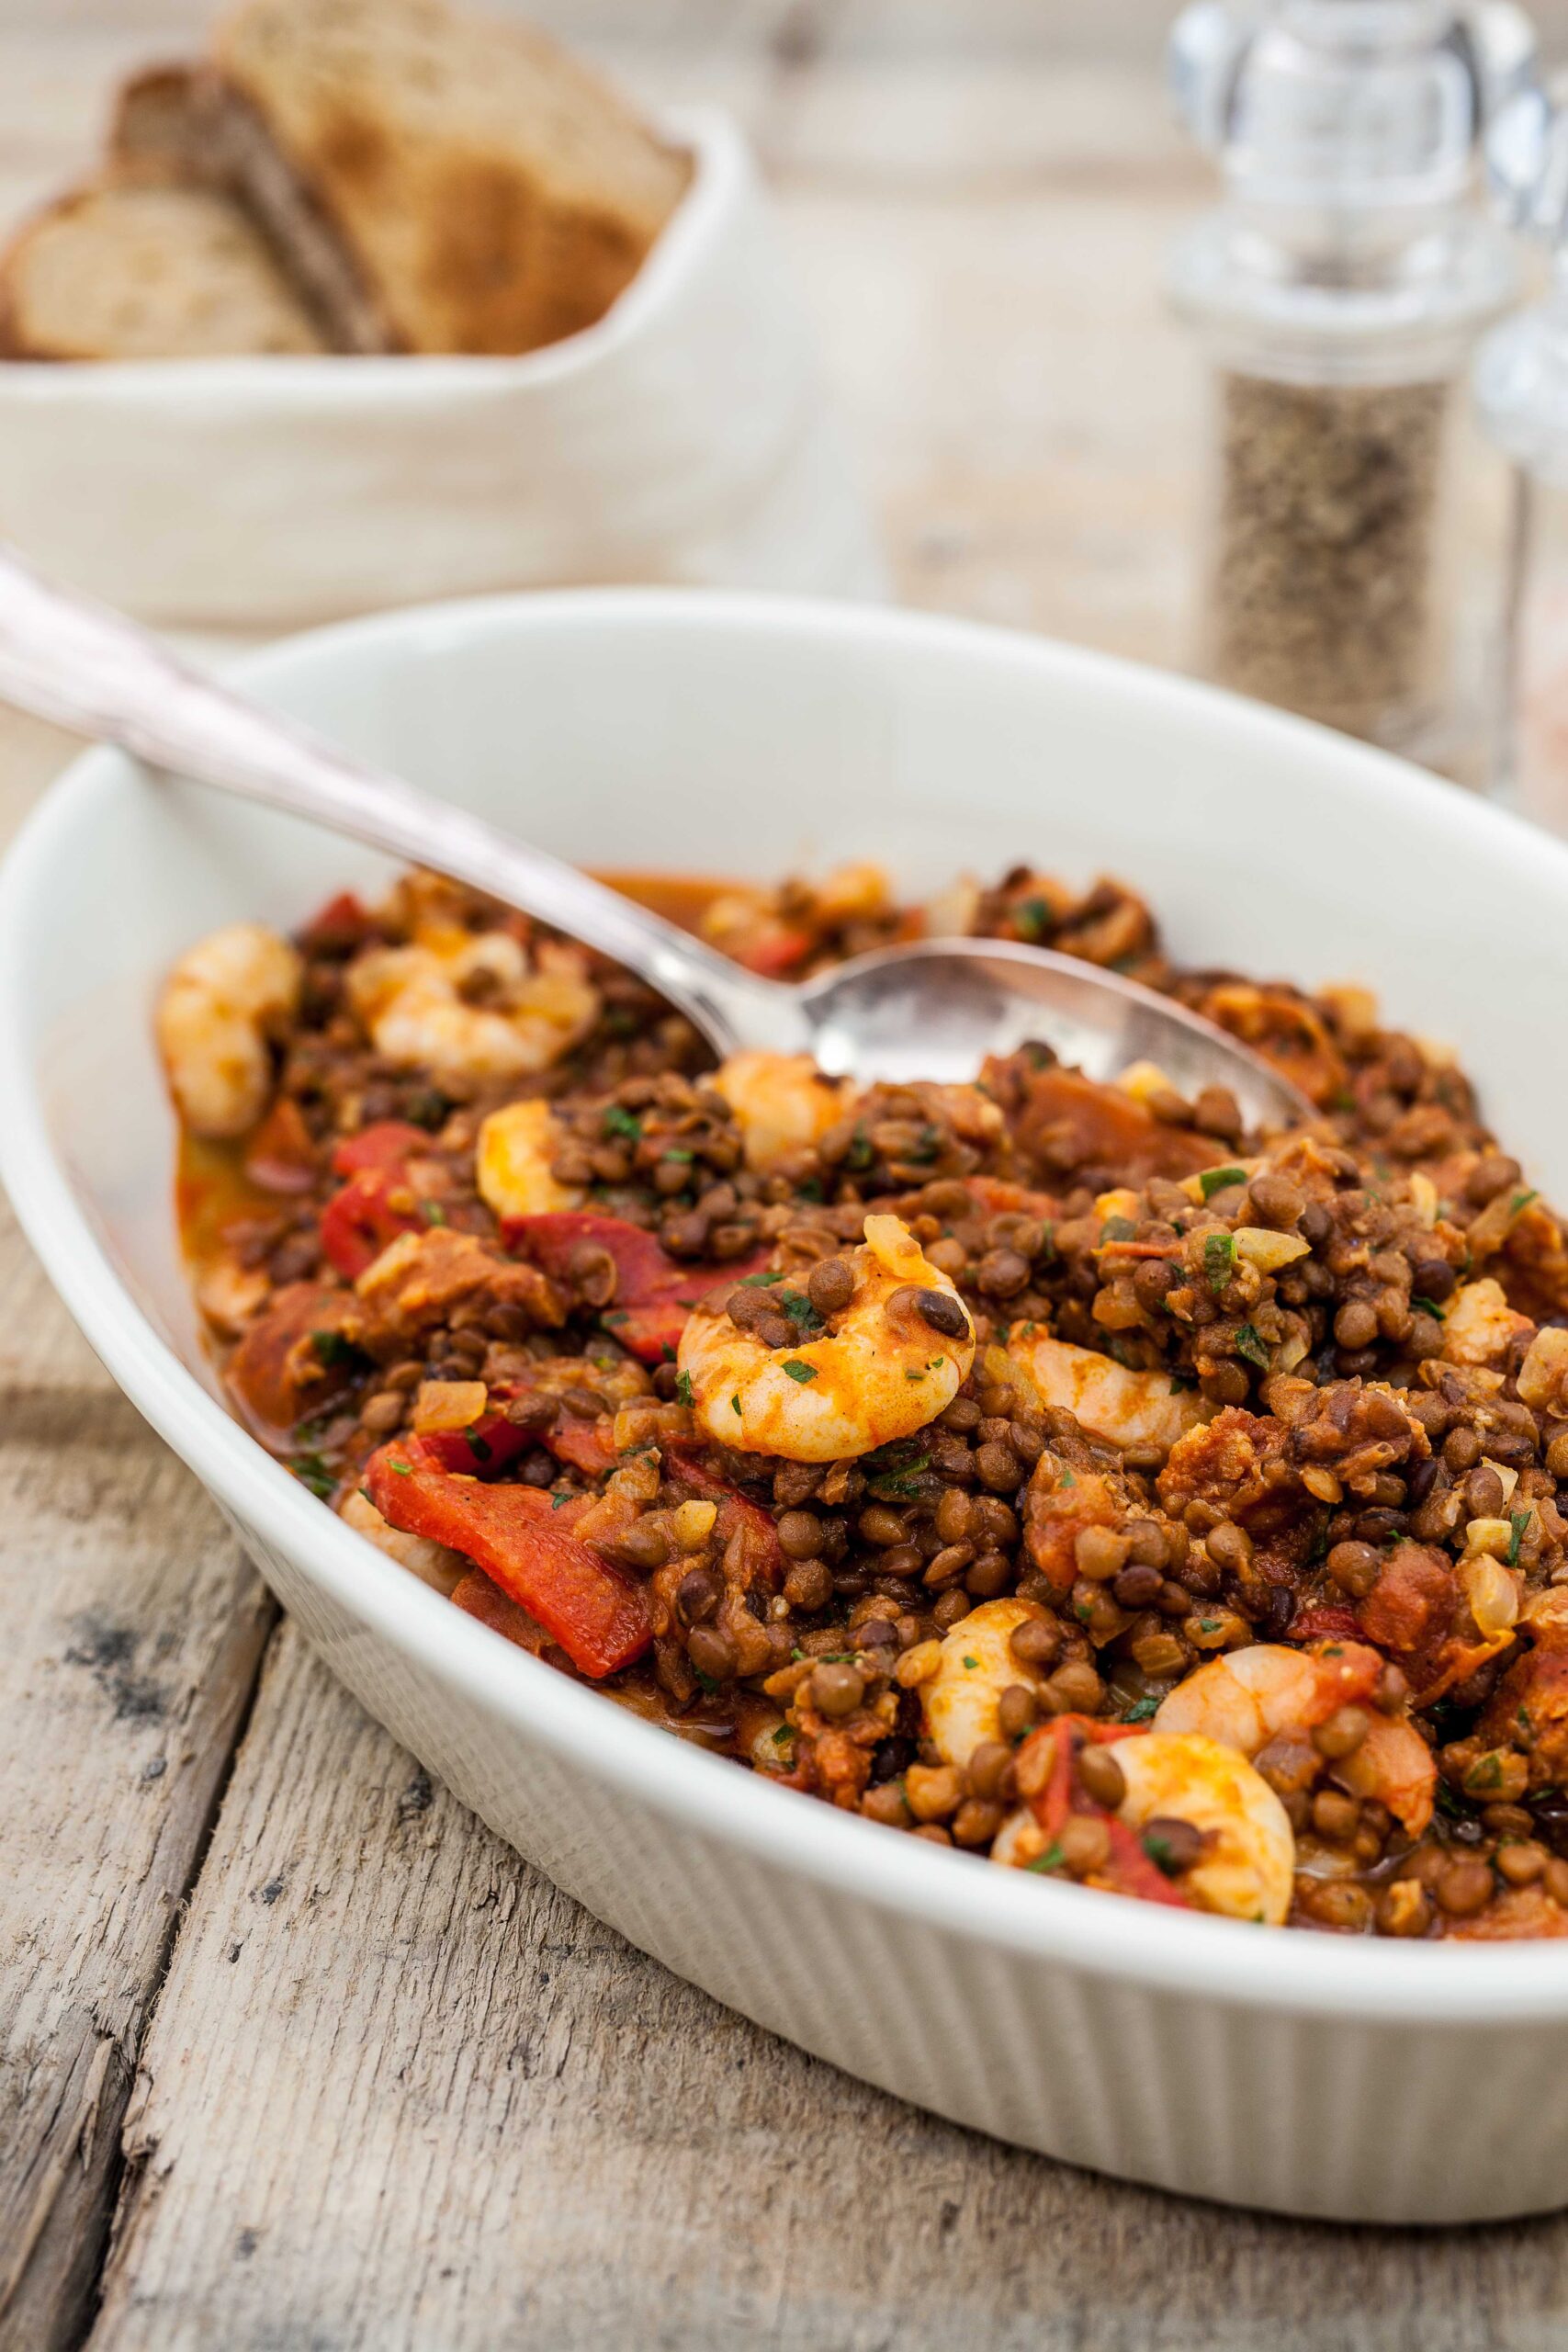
[[1521, 370], [1347, 134]]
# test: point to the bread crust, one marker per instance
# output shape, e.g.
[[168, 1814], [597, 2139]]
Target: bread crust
[[140, 268], [444, 185]]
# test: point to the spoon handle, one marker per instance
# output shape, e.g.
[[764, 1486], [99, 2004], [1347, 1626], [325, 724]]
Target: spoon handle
[[87, 668]]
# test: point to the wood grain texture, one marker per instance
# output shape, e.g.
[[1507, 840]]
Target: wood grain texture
[[400, 2093], [133, 1633], [395, 2090]]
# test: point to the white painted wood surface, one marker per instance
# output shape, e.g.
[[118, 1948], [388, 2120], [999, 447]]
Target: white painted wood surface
[[341, 2071]]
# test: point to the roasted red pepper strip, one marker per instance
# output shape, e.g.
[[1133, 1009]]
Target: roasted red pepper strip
[[594, 1611], [359, 1220], [483, 1451], [387, 1143], [654, 1292], [1129, 1870]]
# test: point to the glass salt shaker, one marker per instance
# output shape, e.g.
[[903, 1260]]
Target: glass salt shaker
[[1340, 290], [1521, 389]]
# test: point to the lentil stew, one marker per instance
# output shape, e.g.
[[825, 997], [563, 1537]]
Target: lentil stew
[[1052, 1470]]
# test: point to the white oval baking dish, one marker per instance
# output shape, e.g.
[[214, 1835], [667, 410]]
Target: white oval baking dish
[[1314, 2075]]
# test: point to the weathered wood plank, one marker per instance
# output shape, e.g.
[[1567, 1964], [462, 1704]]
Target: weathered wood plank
[[133, 1633], [398, 2092]]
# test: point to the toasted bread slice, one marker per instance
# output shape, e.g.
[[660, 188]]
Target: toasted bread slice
[[440, 182], [159, 128], [136, 270]]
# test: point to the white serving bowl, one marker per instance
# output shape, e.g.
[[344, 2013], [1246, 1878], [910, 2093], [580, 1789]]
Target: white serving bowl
[[684, 439], [1356, 2078]]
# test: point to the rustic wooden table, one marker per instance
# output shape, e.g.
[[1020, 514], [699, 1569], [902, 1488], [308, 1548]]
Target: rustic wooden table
[[292, 2051]]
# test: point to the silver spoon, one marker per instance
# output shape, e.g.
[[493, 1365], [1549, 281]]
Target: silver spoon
[[933, 1009]]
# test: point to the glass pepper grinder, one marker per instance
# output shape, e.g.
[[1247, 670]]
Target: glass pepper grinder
[[1340, 290], [1521, 388]]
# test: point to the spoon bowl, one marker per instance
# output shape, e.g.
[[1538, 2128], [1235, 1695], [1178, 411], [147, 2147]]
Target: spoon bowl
[[931, 1009]]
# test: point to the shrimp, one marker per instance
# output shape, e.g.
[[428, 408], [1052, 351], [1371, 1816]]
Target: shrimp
[[1247, 1867], [960, 1701], [219, 1007], [513, 1162], [1478, 1325], [782, 1103], [890, 1361], [415, 1002], [1124, 1408], [1250, 1697], [432, 1564]]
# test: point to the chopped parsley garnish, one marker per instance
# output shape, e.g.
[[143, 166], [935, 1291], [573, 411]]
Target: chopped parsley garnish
[[1182, 1380], [618, 1315], [783, 1735], [1214, 1179], [560, 1495], [1118, 1229], [479, 1446], [683, 1391], [760, 1282], [1033, 918], [1517, 1521], [312, 1472], [1209, 1624], [1067, 1480], [1427, 1305], [617, 1121], [1051, 1860], [735, 1407], [1160, 1852], [400, 1469], [860, 1154], [433, 1212], [331, 1347], [801, 1313], [1249, 1343], [910, 1374], [1219, 1259], [678, 1151], [425, 1108], [970, 1664], [1521, 1201], [795, 1370], [1141, 1710]]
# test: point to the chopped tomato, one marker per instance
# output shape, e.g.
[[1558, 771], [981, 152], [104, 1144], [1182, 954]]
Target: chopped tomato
[[588, 1446], [280, 1156], [654, 1292], [1129, 1870], [1075, 1123], [1329, 1624], [342, 924], [775, 951], [294, 1357], [735, 1509], [360, 1220], [387, 1143], [597, 1613], [477, 1597]]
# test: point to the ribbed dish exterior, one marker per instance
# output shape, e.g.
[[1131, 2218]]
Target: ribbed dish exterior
[[1333, 2118]]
